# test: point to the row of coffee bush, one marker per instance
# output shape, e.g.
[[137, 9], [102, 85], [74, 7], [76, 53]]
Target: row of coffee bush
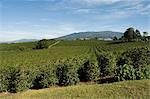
[[131, 65]]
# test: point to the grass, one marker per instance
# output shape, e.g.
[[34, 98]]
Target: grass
[[138, 89], [11, 55]]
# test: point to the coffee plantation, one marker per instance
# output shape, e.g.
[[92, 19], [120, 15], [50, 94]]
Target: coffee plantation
[[70, 62]]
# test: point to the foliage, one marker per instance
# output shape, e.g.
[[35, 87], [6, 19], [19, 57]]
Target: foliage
[[143, 73], [134, 64], [138, 57], [145, 34], [131, 35], [115, 38], [88, 71], [137, 34], [42, 44], [67, 74], [13, 79], [134, 35], [45, 77], [37, 68], [107, 64], [126, 72]]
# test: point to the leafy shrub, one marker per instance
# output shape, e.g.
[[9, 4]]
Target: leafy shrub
[[42, 44], [126, 72], [88, 71], [107, 64], [67, 74], [138, 57], [45, 76], [137, 60], [143, 73], [22, 48], [13, 79]]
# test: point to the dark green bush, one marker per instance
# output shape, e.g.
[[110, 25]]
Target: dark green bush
[[22, 48], [143, 73], [138, 57], [13, 79], [126, 72], [19, 78], [45, 76], [42, 44], [88, 71], [107, 64], [67, 74], [136, 60]]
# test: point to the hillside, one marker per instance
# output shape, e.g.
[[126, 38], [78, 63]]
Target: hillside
[[90, 35], [27, 67], [138, 89]]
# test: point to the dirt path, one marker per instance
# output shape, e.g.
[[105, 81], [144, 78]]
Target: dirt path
[[54, 44]]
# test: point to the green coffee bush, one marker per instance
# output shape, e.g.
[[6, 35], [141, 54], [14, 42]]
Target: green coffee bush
[[45, 76], [138, 57], [126, 72], [107, 64], [88, 71], [67, 73], [14, 79]]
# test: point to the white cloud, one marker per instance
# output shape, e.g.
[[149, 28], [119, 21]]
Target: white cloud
[[64, 28], [124, 9], [14, 35], [44, 19], [41, 0], [82, 11], [22, 22], [40, 31], [96, 2]]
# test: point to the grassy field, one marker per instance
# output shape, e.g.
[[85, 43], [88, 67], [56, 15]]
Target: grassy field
[[10, 54], [23, 55], [138, 89]]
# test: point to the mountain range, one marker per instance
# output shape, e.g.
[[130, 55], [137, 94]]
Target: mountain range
[[80, 35], [91, 35], [20, 41]]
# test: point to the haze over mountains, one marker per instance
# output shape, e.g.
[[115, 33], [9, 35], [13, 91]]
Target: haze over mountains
[[79, 35], [19, 41]]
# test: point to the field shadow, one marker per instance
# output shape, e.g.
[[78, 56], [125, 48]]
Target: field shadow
[[108, 79]]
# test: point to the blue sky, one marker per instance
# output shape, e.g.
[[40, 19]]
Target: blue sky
[[38, 19]]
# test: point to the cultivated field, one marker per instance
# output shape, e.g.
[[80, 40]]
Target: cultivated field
[[82, 64]]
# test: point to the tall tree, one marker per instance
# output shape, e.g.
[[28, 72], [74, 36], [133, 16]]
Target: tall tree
[[138, 34], [129, 34], [115, 38], [145, 34], [42, 44]]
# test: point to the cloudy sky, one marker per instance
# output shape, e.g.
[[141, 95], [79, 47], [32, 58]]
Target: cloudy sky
[[53, 18]]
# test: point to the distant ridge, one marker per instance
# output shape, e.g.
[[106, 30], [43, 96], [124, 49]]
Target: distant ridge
[[79, 35], [24, 40], [90, 35], [20, 41]]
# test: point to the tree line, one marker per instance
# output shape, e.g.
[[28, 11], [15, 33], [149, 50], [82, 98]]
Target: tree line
[[132, 34]]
